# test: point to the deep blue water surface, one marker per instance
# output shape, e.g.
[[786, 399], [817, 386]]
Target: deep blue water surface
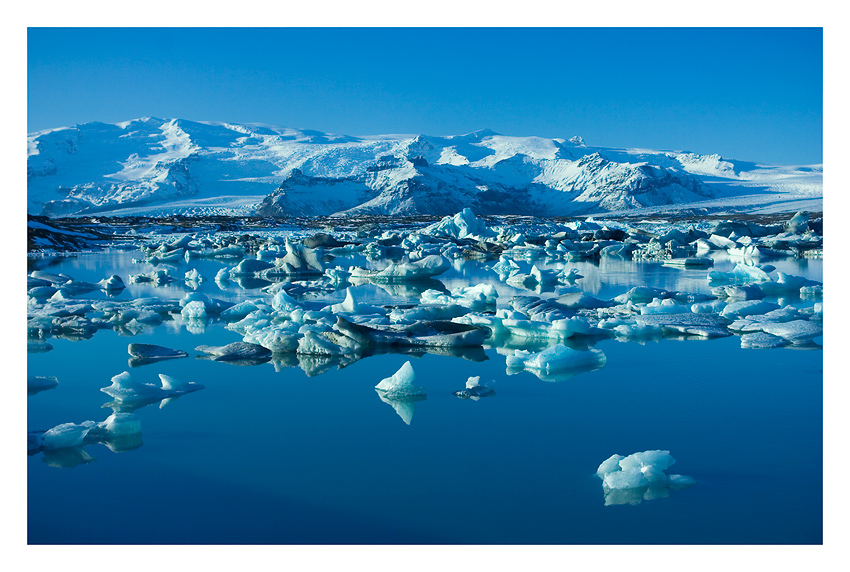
[[266, 456]]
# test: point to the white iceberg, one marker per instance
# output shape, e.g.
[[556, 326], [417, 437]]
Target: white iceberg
[[640, 476], [125, 389]]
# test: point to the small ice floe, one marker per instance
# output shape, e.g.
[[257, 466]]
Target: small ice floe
[[478, 298], [66, 435], [298, 261], [417, 334], [665, 306], [474, 390], [353, 306], [155, 277], [462, 225], [239, 352], [141, 354], [112, 283], [193, 279], [400, 392], [746, 308], [639, 477], [569, 277], [689, 262], [428, 267], [37, 383], [249, 267], [556, 363], [741, 274], [124, 389], [690, 324], [761, 340], [120, 432]]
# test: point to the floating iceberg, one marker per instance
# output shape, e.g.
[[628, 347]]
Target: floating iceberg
[[66, 435], [462, 225], [428, 267], [36, 383], [474, 390], [141, 354], [125, 389], [558, 359], [640, 476], [400, 392], [237, 351], [400, 384]]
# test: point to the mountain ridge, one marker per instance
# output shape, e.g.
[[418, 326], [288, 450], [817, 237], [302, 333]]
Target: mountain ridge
[[281, 171]]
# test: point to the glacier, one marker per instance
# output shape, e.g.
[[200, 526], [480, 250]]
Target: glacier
[[160, 167]]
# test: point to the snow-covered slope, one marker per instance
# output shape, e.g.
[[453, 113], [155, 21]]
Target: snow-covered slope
[[177, 166]]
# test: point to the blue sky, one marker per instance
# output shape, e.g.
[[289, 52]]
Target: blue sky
[[746, 93]]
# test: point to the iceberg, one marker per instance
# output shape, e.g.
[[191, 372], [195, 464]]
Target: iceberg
[[36, 383], [474, 390], [125, 389], [556, 359], [640, 476], [141, 354], [428, 267], [462, 225], [237, 351], [400, 392], [66, 435], [400, 384]]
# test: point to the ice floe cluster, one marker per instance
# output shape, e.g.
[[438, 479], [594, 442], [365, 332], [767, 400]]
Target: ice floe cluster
[[63, 445], [303, 300]]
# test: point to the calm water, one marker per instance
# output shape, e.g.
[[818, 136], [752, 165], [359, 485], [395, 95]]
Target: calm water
[[272, 455]]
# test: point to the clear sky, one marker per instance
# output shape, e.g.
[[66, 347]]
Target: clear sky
[[745, 93]]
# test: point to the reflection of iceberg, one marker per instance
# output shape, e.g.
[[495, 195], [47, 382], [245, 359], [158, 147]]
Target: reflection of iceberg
[[399, 391], [638, 477], [67, 458], [405, 407], [557, 363]]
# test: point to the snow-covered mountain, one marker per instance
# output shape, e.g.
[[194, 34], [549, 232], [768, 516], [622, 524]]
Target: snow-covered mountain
[[155, 166]]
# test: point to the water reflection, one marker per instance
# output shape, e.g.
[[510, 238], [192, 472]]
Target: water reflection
[[405, 407]]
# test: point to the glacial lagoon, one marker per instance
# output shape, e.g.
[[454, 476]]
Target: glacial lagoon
[[302, 449]]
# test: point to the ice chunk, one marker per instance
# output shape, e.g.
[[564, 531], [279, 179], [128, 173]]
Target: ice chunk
[[114, 282], [748, 308], [66, 435], [474, 390], [556, 359], [695, 324], [462, 225], [236, 351], [640, 476], [741, 274], [760, 340], [795, 331], [141, 354], [124, 388], [478, 298], [666, 306], [400, 384], [36, 383], [428, 267], [194, 310], [352, 306]]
